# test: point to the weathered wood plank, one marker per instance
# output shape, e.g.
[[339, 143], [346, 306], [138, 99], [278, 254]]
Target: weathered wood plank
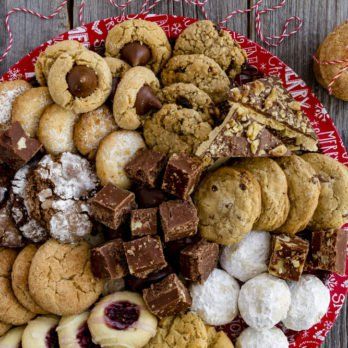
[[29, 31]]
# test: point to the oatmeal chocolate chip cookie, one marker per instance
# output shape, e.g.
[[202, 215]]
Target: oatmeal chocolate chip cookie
[[12, 339], [189, 96], [199, 70], [61, 280], [114, 152], [4, 328], [218, 339], [176, 129], [80, 81], [274, 192], [91, 128], [135, 97], [139, 42], [57, 190], [19, 277], [204, 37], [49, 56], [303, 193], [28, 108], [9, 91], [11, 311], [56, 128], [228, 203], [183, 331], [332, 209]]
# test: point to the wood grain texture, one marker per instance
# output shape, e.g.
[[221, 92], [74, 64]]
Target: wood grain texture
[[320, 17]]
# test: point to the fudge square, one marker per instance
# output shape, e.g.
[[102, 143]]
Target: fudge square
[[145, 167], [111, 205], [198, 260], [181, 175], [168, 297], [144, 256], [288, 256], [143, 222], [179, 219], [108, 260]]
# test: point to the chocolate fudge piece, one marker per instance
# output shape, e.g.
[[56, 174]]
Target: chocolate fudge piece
[[168, 297], [16, 148], [111, 205], [179, 219], [108, 260], [288, 256], [145, 167], [143, 222], [328, 251], [181, 175], [144, 256], [149, 198], [198, 260]]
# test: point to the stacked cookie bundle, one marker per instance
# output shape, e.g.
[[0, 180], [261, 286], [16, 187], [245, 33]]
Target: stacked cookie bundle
[[155, 214]]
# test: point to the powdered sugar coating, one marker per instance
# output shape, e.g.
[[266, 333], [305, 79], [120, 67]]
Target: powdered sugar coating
[[264, 301], [310, 300], [269, 338], [215, 301], [248, 258]]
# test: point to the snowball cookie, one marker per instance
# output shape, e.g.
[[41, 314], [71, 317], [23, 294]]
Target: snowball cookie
[[40, 332], [56, 130], [310, 300], [13, 338], [215, 301], [4, 328], [249, 257], [91, 128], [122, 320], [264, 301], [128, 108], [251, 338], [139, 42], [28, 108], [49, 56], [114, 152], [9, 91], [80, 81]]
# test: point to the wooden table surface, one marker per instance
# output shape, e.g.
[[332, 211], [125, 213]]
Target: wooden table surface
[[320, 17]]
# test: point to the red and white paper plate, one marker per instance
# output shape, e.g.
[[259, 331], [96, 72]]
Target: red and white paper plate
[[93, 35]]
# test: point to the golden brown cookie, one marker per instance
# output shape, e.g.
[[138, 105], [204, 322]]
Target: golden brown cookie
[[274, 192], [332, 209], [217, 339], [303, 193], [228, 203], [11, 311], [19, 276], [61, 280], [4, 328], [117, 66]]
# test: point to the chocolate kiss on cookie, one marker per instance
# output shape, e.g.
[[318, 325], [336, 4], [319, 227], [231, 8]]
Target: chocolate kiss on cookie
[[82, 81], [136, 53], [146, 101]]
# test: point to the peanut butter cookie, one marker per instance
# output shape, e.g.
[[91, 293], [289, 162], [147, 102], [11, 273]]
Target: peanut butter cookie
[[4, 328]]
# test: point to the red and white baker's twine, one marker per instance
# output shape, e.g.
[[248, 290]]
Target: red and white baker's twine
[[148, 5]]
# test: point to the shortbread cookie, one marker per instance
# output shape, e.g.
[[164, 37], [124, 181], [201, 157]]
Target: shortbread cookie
[[199, 70], [49, 56], [139, 42], [91, 128], [332, 209], [131, 102], [176, 129], [56, 130], [19, 276], [80, 81], [189, 96], [262, 338], [204, 37], [303, 193], [11, 311], [9, 91], [114, 153], [4, 328], [217, 339], [28, 108], [122, 320], [61, 280], [274, 192], [228, 203], [13, 338]]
